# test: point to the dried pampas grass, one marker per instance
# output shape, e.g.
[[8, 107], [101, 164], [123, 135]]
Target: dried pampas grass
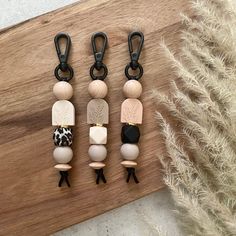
[[200, 168]]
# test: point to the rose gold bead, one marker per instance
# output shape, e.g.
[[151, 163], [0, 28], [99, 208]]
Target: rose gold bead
[[97, 89], [132, 89]]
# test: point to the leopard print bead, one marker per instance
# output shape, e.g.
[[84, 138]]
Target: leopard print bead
[[62, 136]]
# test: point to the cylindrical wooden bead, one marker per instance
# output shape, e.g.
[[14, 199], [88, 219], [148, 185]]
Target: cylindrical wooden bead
[[129, 164], [97, 165], [62, 167], [97, 152], [63, 90], [97, 89], [129, 151], [132, 89], [62, 155]]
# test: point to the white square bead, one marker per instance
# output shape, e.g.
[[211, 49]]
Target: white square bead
[[98, 135]]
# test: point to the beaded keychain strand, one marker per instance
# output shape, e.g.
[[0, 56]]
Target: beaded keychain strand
[[63, 111], [98, 110], [132, 109]]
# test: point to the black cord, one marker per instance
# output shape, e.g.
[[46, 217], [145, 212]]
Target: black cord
[[131, 172], [100, 175], [64, 177]]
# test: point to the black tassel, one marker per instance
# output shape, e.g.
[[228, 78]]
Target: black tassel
[[100, 175], [131, 172], [64, 177]]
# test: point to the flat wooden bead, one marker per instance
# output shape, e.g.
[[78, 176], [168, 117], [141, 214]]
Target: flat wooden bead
[[97, 165], [132, 111], [129, 164], [63, 90], [97, 112], [62, 155], [98, 135], [97, 89], [63, 113], [97, 152], [129, 151], [132, 89], [62, 167]]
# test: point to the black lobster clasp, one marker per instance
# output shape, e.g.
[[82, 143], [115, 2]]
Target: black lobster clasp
[[63, 57], [98, 56], [134, 55]]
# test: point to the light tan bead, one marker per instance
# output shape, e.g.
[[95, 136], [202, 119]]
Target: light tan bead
[[97, 89], [63, 113], [62, 167], [97, 165], [62, 155], [97, 112], [63, 90], [97, 152], [129, 151], [129, 164], [131, 111], [98, 135], [132, 89]]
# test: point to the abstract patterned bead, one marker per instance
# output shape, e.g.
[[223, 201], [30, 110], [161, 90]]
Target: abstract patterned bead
[[62, 136], [130, 134]]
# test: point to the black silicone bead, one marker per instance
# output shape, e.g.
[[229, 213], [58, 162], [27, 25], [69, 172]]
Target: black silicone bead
[[130, 134]]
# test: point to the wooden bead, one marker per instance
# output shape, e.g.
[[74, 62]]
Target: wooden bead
[[62, 155], [129, 151], [97, 112], [97, 152], [63, 113], [132, 89], [132, 111], [97, 165], [63, 90], [97, 89], [98, 135], [129, 164], [62, 167]]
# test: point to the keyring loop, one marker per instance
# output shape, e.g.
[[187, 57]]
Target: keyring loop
[[68, 69], [136, 77], [100, 77]]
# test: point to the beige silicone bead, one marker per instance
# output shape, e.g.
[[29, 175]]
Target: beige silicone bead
[[97, 89], [63, 90], [97, 165], [129, 151], [132, 89], [63, 167], [62, 155], [97, 152], [97, 135]]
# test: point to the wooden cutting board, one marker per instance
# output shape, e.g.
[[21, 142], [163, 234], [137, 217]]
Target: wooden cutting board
[[30, 201]]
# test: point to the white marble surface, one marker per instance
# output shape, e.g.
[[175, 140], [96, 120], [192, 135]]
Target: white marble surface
[[143, 217]]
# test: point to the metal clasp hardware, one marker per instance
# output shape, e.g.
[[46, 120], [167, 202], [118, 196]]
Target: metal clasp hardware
[[98, 56], [63, 57], [134, 55]]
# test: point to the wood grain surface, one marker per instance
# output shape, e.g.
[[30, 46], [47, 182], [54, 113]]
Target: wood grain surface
[[30, 201]]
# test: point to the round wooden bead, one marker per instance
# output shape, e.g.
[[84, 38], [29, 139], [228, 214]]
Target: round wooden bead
[[97, 89], [132, 89], [62, 155], [129, 164], [62, 167], [97, 165], [129, 151], [97, 152], [63, 90]]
